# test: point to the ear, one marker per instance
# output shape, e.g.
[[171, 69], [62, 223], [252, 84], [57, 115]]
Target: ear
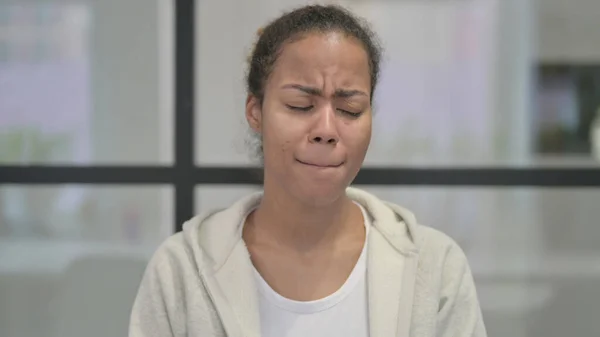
[[254, 113]]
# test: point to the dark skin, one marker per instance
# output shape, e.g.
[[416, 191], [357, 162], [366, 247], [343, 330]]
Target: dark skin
[[306, 235]]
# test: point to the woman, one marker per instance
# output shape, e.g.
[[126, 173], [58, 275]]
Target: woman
[[309, 256]]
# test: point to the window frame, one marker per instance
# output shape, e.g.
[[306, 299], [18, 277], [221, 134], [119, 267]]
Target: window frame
[[183, 175]]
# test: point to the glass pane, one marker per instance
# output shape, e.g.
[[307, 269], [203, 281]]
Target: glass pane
[[568, 33], [458, 85], [220, 69], [80, 80], [534, 252], [71, 257], [215, 197], [567, 117], [435, 100]]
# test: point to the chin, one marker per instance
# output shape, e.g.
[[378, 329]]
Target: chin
[[321, 195]]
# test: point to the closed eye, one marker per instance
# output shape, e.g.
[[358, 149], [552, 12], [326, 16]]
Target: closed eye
[[350, 113], [299, 108], [309, 107]]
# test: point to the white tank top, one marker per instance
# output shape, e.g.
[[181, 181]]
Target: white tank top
[[341, 314]]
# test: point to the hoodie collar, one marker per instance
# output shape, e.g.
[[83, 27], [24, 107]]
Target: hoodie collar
[[215, 234], [226, 269]]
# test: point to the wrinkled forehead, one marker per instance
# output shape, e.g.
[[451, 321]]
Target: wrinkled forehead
[[318, 59]]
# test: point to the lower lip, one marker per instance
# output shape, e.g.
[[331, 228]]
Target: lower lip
[[319, 167]]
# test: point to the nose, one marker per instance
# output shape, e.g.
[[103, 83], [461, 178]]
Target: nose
[[325, 130]]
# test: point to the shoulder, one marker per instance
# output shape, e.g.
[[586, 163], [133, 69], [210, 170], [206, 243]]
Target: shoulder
[[177, 255], [171, 290], [171, 259], [445, 285], [436, 243], [443, 265], [437, 251]]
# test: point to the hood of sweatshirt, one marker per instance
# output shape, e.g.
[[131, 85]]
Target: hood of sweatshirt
[[215, 233], [225, 267]]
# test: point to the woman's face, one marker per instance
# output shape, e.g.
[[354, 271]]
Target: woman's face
[[315, 118]]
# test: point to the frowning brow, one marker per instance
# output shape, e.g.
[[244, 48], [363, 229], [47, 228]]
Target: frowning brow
[[343, 93]]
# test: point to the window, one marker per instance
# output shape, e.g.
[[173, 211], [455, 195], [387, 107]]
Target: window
[[119, 120]]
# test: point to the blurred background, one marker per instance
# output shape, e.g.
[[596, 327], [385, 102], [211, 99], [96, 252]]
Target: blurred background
[[471, 83]]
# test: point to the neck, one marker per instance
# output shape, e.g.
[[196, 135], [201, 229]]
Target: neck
[[285, 220]]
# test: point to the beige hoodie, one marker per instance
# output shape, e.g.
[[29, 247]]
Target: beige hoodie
[[200, 283]]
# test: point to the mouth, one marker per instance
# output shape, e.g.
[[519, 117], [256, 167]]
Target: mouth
[[320, 165]]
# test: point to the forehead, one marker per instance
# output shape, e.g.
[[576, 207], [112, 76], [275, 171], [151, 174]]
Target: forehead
[[318, 57]]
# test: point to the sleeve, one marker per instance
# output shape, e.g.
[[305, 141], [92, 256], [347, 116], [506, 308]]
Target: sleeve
[[459, 311], [153, 312]]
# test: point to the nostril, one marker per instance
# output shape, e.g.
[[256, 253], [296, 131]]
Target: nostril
[[322, 140]]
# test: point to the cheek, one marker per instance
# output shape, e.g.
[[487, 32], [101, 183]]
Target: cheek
[[358, 138], [279, 133]]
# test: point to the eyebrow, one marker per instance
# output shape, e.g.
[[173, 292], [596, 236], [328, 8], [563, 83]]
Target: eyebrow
[[344, 93]]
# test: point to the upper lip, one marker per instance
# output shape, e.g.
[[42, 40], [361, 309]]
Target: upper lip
[[318, 164]]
